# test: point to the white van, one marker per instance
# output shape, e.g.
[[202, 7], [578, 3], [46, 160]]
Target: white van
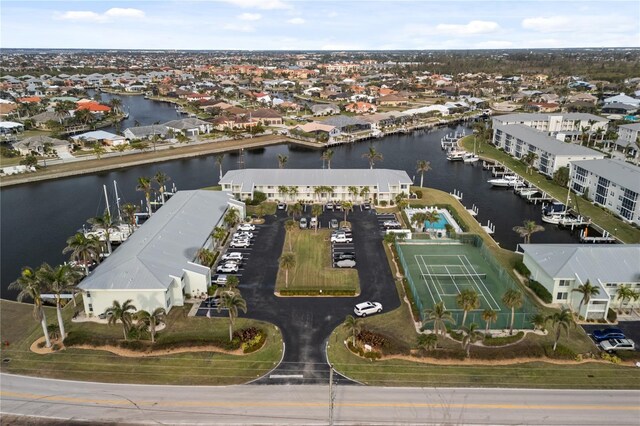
[[303, 223]]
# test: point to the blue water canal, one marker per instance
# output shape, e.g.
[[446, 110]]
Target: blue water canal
[[37, 218]]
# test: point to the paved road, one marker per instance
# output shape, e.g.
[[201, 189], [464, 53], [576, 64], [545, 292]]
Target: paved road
[[309, 404], [307, 322]]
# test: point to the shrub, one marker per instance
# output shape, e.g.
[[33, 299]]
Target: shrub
[[561, 352], [41, 344], [373, 339], [56, 347], [383, 203], [134, 345], [612, 316], [254, 344], [418, 193], [502, 341], [325, 292], [522, 269], [540, 291], [359, 350], [611, 358]]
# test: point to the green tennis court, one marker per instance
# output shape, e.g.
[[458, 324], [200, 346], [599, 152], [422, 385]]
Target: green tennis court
[[440, 272]]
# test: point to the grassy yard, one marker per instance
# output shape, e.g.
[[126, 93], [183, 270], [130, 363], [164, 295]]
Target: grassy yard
[[598, 215], [313, 271], [191, 368]]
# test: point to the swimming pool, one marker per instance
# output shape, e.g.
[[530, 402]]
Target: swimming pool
[[440, 224]]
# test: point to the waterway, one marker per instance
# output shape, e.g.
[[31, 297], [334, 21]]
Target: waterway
[[37, 218]]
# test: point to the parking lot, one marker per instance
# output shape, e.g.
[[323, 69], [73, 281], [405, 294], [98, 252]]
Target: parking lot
[[306, 322], [631, 330]]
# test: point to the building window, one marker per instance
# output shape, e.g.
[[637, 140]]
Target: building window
[[602, 190], [628, 206], [90, 307], [88, 294], [564, 283], [562, 296]]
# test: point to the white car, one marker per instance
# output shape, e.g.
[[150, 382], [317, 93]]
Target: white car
[[303, 223], [234, 255], [345, 263], [219, 279], [313, 223], [392, 224], [227, 268], [282, 206], [246, 227], [617, 345], [243, 234], [367, 308], [240, 243]]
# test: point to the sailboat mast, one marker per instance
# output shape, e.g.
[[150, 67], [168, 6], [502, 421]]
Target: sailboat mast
[[106, 199], [115, 187]]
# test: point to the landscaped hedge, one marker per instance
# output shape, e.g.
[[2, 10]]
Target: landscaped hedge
[[522, 269], [540, 291], [502, 341], [612, 316], [308, 292]]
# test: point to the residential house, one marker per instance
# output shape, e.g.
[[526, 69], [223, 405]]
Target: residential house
[[100, 137], [145, 132], [348, 125], [188, 126], [628, 137], [360, 107], [266, 116], [392, 100], [325, 109], [37, 144]]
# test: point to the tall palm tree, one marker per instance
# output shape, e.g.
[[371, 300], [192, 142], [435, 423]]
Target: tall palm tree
[[364, 192], [123, 313], [489, 316], [232, 217], [467, 300], [287, 262], [587, 290], [59, 280], [144, 185], [471, 335], [353, 326], [432, 217], [512, 298], [232, 282], [354, 192], [289, 226], [327, 155], [625, 294], [106, 223], [316, 210], [538, 321], [219, 159], [232, 301], [561, 321], [295, 209], [282, 161], [161, 178], [419, 219], [293, 192], [150, 320], [30, 286], [206, 257], [116, 104], [528, 228], [529, 159], [283, 190], [218, 234], [439, 316], [129, 210], [422, 167], [83, 249], [372, 156], [346, 208], [61, 110]]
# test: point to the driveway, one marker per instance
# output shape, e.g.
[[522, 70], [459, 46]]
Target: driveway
[[631, 330], [307, 322]]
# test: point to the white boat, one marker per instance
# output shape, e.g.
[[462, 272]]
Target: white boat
[[470, 158], [504, 182], [553, 218], [456, 155]]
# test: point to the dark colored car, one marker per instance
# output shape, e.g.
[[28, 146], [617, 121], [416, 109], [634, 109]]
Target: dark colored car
[[608, 334], [344, 256]]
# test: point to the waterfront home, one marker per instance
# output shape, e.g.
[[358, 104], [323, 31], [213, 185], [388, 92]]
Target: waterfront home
[[325, 109], [628, 135], [392, 100], [317, 185], [348, 125], [145, 132], [100, 137], [562, 268], [554, 123], [383, 120], [622, 99], [157, 267], [188, 126], [612, 184], [360, 107], [9, 127], [266, 116], [551, 154], [317, 130], [36, 144]]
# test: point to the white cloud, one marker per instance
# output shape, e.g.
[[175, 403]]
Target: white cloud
[[110, 15], [585, 24], [260, 4], [547, 25], [296, 21], [473, 27], [250, 16], [243, 28]]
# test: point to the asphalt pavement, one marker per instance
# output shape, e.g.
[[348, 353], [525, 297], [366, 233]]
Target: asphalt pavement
[[631, 330]]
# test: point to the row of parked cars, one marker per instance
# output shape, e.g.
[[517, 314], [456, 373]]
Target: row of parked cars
[[342, 249], [612, 340]]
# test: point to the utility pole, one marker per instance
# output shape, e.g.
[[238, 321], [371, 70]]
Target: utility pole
[[331, 395]]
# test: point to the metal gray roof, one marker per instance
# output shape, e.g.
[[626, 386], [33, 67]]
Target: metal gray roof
[[510, 118], [163, 245], [143, 131], [341, 121], [633, 126], [619, 172], [546, 143], [382, 178], [607, 263]]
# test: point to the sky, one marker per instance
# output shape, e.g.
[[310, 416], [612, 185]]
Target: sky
[[319, 24]]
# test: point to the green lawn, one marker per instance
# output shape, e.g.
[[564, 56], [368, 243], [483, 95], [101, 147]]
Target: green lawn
[[313, 271], [191, 368], [598, 215]]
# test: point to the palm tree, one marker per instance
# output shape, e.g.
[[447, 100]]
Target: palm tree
[[529, 159], [327, 156], [528, 228], [354, 192], [293, 192], [106, 223], [561, 321], [295, 209], [372, 156], [512, 298], [116, 104], [538, 321], [282, 161], [61, 111], [289, 226], [346, 208], [219, 158], [98, 150], [83, 249], [353, 327], [232, 217], [439, 315], [587, 290], [121, 148], [149, 321], [129, 210], [471, 335], [489, 316], [427, 341], [364, 192], [232, 282], [144, 185], [287, 262], [123, 313], [59, 280], [625, 294], [467, 300], [283, 190], [232, 301], [30, 286], [422, 167], [432, 217], [161, 178], [316, 210], [218, 234], [206, 257]]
